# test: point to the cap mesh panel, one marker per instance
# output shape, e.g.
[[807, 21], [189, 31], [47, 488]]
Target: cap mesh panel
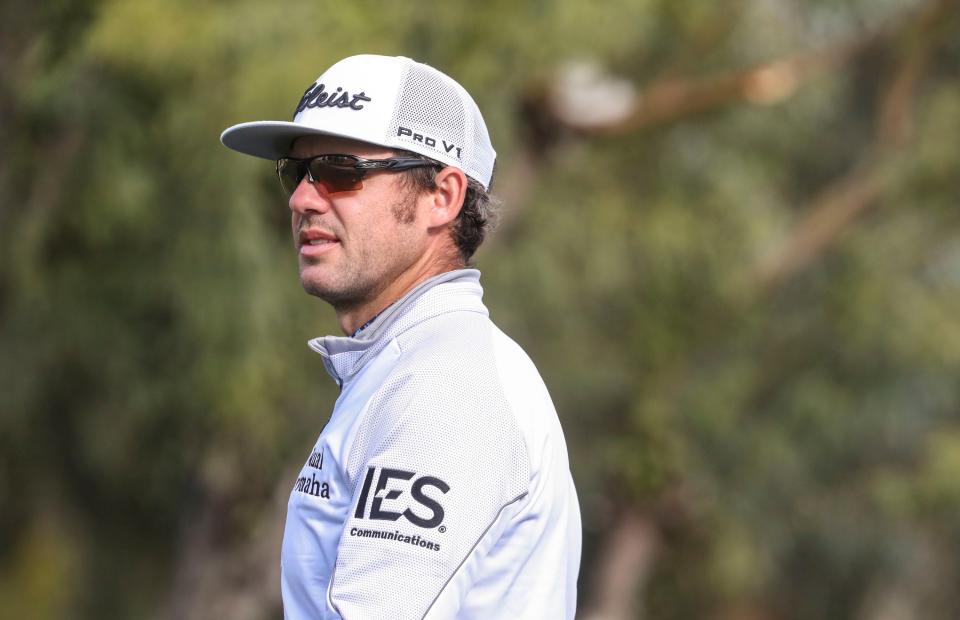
[[432, 106]]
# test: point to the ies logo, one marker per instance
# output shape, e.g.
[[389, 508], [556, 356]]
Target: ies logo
[[423, 511]]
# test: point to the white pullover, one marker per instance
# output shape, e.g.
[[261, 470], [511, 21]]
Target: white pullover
[[440, 487]]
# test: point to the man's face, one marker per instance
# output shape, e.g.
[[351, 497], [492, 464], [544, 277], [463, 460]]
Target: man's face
[[353, 245]]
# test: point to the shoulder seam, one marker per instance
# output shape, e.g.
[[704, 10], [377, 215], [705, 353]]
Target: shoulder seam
[[479, 538]]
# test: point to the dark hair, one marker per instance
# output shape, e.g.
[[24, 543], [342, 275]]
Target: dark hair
[[477, 216]]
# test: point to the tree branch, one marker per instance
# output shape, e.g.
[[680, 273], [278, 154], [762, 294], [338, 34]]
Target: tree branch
[[841, 202]]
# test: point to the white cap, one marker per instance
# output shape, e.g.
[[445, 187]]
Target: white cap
[[387, 100]]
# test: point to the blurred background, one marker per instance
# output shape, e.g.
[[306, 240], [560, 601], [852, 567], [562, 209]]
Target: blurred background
[[730, 241]]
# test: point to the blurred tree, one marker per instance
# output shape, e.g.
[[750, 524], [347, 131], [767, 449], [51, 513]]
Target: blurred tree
[[731, 243], [737, 375]]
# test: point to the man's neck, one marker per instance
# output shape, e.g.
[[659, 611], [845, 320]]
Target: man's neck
[[354, 317]]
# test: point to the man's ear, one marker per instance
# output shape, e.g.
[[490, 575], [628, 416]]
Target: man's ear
[[447, 199]]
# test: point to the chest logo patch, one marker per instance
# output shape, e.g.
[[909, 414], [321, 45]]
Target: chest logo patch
[[386, 501], [309, 484]]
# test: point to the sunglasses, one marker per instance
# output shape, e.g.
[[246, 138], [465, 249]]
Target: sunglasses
[[339, 173]]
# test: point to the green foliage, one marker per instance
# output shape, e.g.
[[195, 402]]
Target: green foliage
[[795, 440]]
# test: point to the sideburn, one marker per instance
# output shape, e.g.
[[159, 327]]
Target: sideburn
[[405, 209]]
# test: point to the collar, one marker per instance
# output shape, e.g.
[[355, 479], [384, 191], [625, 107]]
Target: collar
[[453, 291]]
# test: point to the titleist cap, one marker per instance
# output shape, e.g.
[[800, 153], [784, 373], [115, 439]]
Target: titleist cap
[[387, 100]]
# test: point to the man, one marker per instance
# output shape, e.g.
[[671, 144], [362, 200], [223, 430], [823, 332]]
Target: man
[[440, 486]]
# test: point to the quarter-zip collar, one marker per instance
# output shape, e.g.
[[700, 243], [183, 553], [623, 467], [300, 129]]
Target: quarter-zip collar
[[453, 291]]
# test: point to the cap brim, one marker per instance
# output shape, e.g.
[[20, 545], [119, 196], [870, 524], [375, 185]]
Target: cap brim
[[269, 139]]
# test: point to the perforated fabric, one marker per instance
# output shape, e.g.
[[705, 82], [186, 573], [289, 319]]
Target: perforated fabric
[[448, 489], [443, 122], [481, 158]]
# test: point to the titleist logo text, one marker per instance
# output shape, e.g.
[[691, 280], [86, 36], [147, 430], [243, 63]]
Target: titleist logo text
[[316, 96]]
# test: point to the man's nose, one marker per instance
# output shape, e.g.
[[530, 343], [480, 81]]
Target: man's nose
[[309, 197]]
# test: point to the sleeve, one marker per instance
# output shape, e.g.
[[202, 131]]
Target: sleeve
[[437, 459]]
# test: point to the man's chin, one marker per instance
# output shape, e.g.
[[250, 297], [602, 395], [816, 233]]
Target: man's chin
[[316, 288], [325, 290], [316, 274]]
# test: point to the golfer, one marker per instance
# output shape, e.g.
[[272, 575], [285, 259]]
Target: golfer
[[440, 486]]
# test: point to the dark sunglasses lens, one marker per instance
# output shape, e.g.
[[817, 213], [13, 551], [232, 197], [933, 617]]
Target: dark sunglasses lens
[[291, 172], [336, 178]]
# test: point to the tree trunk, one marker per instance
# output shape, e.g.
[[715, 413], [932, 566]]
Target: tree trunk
[[624, 567]]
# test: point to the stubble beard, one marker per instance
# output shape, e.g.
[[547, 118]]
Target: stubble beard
[[347, 290], [356, 284]]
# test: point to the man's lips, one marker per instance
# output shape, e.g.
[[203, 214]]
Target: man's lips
[[314, 242]]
